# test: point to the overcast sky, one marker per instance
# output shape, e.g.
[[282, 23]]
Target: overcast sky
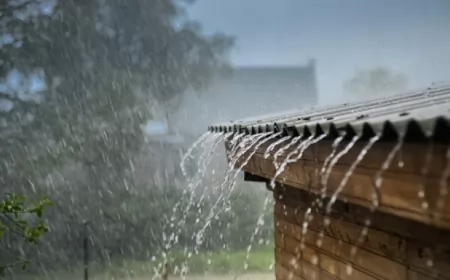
[[409, 36]]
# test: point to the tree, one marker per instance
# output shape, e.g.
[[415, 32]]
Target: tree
[[102, 62], [375, 82], [21, 221]]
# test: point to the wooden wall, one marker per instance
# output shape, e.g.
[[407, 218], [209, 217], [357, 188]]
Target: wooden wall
[[394, 248], [402, 184]]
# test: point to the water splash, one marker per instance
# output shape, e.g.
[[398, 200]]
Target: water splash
[[335, 159], [282, 150], [301, 148], [378, 180], [202, 171], [274, 144], [171, 235], [280, 168], [323, 181], [333, 162], [191, 149], [227, 188], [234, 148], [340, 188], [259, 141], [350, 171], [254, 139], [260, 222]]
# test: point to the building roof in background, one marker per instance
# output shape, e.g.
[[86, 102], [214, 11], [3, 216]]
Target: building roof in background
[[303, 74], [278, 81], [248, 91], [418, 115]]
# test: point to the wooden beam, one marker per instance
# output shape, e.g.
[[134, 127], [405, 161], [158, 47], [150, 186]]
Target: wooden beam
[[406, 190], [249, 177]]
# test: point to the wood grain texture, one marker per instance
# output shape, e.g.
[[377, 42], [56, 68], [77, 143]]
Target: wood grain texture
[[388, 251], [411, 187]]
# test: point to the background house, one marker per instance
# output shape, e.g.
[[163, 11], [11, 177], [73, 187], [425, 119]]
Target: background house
[[248, 91]]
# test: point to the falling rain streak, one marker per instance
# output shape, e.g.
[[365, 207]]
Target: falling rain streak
[[333, 162], [240, 151], [377, 182]]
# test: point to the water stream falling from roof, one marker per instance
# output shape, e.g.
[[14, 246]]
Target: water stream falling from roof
[[241, 148], [327, 176], [345, 179], [207, 144], [377, 182], [208, 148], [275, 144], [259, 224], [191, 149], [322, 177], [422, 194], [301, 148], [283, 149], [227, 186], [350, 171]]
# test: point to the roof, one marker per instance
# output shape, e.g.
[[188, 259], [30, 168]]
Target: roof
[[278, 75], [413, 116], [273, 81]]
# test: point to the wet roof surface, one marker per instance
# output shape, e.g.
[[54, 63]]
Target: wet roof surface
[[413, 116]]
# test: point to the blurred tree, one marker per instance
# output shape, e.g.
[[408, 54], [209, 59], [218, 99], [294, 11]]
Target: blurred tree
[[97, 63], [375, 82]]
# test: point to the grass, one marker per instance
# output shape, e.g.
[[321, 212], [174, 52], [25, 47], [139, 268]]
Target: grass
[[260, 260], [213, 263]]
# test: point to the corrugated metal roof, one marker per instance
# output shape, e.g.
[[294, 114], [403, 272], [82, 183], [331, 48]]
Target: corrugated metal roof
[[415, 116]]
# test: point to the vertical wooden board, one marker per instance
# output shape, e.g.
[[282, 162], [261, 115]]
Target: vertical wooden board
[[431, 262], [284, 262], [392, 250], [279, 239], [325, 263], [378, 242], [282, 273], [414, 275], [345, 234], [363, 260], [302, 268]]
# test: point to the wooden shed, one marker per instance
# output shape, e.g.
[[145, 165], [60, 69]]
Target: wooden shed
[[385, 162]]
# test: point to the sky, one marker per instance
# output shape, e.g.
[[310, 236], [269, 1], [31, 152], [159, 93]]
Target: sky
[[408, 36]]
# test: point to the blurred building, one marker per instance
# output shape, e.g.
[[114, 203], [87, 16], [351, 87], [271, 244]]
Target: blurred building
[[246, 92]]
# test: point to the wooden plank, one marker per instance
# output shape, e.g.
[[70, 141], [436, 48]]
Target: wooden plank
[[297, 199], [312, 263], [283, 273], [384, 255], [399, 192], [301, 267], [409, 160]]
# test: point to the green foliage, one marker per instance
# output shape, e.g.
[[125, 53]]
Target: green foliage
[[24, 221]]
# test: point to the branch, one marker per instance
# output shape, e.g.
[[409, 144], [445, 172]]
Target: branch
[[10, 228]]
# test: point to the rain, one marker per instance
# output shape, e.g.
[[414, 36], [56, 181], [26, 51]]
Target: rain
[[182, 139]]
